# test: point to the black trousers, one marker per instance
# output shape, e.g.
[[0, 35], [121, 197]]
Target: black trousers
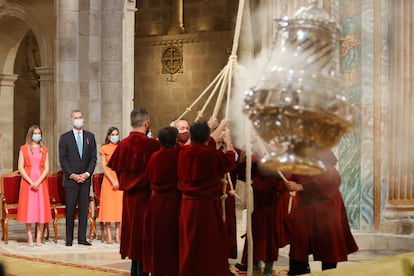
[[77, 201], [136, 269]]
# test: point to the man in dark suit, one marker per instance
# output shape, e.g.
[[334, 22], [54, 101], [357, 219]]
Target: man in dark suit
[[77, 155]]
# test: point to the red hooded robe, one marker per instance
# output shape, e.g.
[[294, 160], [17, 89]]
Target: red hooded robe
[[129, 161], [203, 241], [161, 216]]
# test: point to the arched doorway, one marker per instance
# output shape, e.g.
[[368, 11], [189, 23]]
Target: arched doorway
[[26, 91]]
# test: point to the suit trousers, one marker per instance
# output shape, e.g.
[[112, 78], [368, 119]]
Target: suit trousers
[[77, 201]]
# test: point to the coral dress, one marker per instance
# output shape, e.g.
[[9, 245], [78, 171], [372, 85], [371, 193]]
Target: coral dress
[[110, 209], [34, 204]]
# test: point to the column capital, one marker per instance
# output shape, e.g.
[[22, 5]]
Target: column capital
[[45, 73], [8, 79]]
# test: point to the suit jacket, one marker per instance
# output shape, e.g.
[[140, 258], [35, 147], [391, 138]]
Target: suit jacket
[[70, 160]]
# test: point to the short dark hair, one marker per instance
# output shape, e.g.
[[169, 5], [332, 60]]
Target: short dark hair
[[199, 132], [168, 136], [138, 117]]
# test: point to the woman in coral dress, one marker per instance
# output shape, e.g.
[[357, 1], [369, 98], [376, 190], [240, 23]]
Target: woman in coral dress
[[33, 165], [110, 209]]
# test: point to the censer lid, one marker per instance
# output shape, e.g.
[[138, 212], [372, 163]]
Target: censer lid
[[310, 15], [312, 12]]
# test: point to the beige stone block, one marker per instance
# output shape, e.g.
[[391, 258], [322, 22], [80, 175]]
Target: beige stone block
[[112, 48], [94, 71], [195, 49], [112, 5], [68, 91], [94, 49], [84, 22], [68, 23], [92, 5], [192, 64], [67, 5], [111, 112], [64, 112], [90, 90], [67, 48], [94, 111], [111, 71], [401, 242], [201, 79], [112, 23], [68, 71], [84, 89], [83, 48], [94, 91], [111, 91], [94, 23], [84, 71]]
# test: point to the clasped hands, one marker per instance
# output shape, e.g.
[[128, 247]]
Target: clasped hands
[[79, 178], [35, 184]]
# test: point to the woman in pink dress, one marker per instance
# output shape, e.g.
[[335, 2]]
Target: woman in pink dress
[[33, 165], [110, 209]]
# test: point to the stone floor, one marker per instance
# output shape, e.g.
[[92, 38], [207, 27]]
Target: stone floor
[[107, 256]]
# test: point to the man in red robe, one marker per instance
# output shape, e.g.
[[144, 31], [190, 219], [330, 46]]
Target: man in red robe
[[161, 216], [129, 162], [202, 240], [319, 220], [266, 223]]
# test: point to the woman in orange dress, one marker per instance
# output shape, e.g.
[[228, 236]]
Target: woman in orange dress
[[33, 165], [110, 209]]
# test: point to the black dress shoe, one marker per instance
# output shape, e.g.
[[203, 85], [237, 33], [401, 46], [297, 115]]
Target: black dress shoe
[[241, 267], [84, 243], [68, 244]]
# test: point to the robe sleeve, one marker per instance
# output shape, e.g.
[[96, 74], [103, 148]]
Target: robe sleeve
[[319, 187]]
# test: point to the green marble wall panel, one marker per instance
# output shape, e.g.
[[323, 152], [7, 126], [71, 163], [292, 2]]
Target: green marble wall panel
[[349, 149]]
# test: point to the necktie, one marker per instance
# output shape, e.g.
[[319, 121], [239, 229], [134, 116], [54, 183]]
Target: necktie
[[79, 143]]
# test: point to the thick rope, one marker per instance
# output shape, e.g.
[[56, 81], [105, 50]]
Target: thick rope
[[249, 202], [223, 78]]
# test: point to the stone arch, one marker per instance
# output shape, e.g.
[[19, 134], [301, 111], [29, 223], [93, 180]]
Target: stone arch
[[15, 23]]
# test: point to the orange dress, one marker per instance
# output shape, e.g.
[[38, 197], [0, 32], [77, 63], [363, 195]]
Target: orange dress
[[34, 204], [110, 209]]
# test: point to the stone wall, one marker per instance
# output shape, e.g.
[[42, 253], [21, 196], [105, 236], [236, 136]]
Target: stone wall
[[167, 96]]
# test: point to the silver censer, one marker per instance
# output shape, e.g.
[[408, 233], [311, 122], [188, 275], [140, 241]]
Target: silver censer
[[299, 106]]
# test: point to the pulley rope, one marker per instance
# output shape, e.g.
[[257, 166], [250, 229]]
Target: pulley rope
[[220, 81]]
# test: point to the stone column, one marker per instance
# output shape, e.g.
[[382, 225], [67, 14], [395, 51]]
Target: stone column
[[177, 25], [48, 113], [128, 60], [6, 123], [67, 62]]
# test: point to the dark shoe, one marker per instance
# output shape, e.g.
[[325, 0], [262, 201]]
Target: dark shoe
[[84, 243], [68, 244], [241, 267]]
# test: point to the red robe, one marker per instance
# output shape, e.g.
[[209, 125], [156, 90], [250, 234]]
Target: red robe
[[161, 216], [129, 161], [230, 223], [319, 220], [265, 225], [203, 245]]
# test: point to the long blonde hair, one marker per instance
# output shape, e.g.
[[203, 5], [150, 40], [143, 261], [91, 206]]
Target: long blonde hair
[[29, 137]]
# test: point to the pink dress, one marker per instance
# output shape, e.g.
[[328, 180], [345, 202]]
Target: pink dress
[[34, 204]]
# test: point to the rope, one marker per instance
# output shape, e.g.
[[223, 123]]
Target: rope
[[220, 81], [249, 202]]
